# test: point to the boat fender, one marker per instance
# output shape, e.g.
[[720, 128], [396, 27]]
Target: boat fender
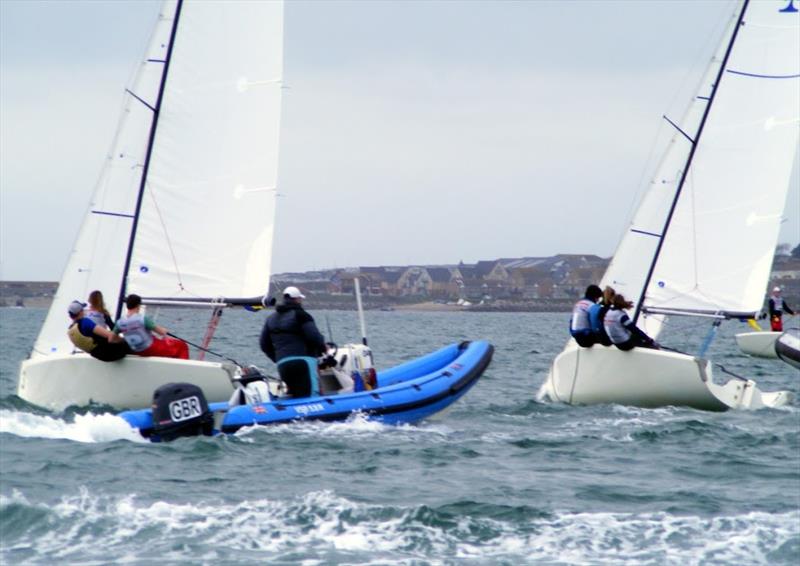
[[180, 409]]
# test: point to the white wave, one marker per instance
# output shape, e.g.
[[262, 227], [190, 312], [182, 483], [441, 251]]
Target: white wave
[[357, 425], [321, 524], [85, 428]]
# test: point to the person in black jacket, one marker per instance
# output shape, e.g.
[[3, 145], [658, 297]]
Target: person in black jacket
[[777, 306], [291, 339]]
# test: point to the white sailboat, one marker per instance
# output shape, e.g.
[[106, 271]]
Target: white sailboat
[[702, 240], [184, 209], [759, 343]]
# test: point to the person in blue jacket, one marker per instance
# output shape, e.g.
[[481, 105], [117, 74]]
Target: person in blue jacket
[[597, 313], [291, 339], [580, 326]]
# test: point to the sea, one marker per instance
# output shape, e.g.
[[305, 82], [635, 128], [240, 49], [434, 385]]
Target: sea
[[499, 478]]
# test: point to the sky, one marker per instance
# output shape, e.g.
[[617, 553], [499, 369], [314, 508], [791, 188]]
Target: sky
[[412, 132]]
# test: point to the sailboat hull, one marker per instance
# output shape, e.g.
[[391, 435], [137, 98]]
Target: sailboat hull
[[647, 378], [407, 393], [759, 344], [58, 382]]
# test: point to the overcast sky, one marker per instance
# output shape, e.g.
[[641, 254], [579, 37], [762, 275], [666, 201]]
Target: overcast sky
[[413, 132]]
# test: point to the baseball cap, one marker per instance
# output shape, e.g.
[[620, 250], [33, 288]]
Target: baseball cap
[[293, 292], [75, 307], [776, 290]]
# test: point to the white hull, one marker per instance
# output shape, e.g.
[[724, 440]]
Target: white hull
[[760, 344], [647, 378], [57, 382]]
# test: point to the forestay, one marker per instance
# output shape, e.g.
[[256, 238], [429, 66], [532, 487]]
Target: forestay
[[205, 221], [718, 246]]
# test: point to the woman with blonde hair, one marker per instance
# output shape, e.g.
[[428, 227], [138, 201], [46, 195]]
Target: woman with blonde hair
[[597, 313], [621, 330], [97, 311]]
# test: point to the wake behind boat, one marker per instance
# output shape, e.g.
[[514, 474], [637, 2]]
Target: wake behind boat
[[703, 237]]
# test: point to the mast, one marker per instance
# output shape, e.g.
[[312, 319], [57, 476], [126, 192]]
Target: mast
[[156, 111], [688, 165]]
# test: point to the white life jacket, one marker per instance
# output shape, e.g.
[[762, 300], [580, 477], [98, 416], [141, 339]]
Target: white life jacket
[[96, 316], [580, 316], [135, 333], [612, 322]]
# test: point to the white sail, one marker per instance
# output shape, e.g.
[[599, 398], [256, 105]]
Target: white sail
[[206, 222], [206, 219], [98, 256], [718, 248]]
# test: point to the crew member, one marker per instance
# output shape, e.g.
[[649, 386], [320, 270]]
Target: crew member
[[94, 339], [621, 330], [139, 330], [291, 339], [97, 310], [580, 327], [777, 306], [597, 313]]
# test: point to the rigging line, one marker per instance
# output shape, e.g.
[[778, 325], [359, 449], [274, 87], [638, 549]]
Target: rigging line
[[694, 228], [167, 238], [205, 349], [720, 366], [148, 155], [688, 165]]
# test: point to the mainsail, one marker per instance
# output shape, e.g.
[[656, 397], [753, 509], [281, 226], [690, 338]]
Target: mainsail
[[202, 117], [738, 139]]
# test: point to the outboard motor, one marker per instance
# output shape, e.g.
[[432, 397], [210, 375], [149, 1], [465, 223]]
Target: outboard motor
[[181, 409]]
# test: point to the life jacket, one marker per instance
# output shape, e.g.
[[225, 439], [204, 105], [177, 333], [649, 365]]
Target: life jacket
[[612, 322], [580, 316], [135, 333], [99, 318], [85, 343]]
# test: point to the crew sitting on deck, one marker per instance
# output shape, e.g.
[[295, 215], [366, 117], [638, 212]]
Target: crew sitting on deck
[[95, 340], [624, 334], [580, 327], [597, 313], [138, 331], [97, 310], [290, 338]]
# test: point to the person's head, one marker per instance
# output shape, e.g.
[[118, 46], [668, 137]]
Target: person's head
[[776, 291], [608, 295], [620, 302], [75, 309], [593, 292], [96, 301], [133, 301], [292, 295]]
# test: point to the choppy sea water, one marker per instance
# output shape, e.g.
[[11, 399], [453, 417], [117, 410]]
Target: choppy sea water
[[497, 479]]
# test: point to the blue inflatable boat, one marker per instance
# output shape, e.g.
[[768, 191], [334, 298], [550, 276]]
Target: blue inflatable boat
[[406, 393]]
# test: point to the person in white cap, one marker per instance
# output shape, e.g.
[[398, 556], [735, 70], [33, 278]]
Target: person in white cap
[[777, 306], [291, 339], [94, 339]]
